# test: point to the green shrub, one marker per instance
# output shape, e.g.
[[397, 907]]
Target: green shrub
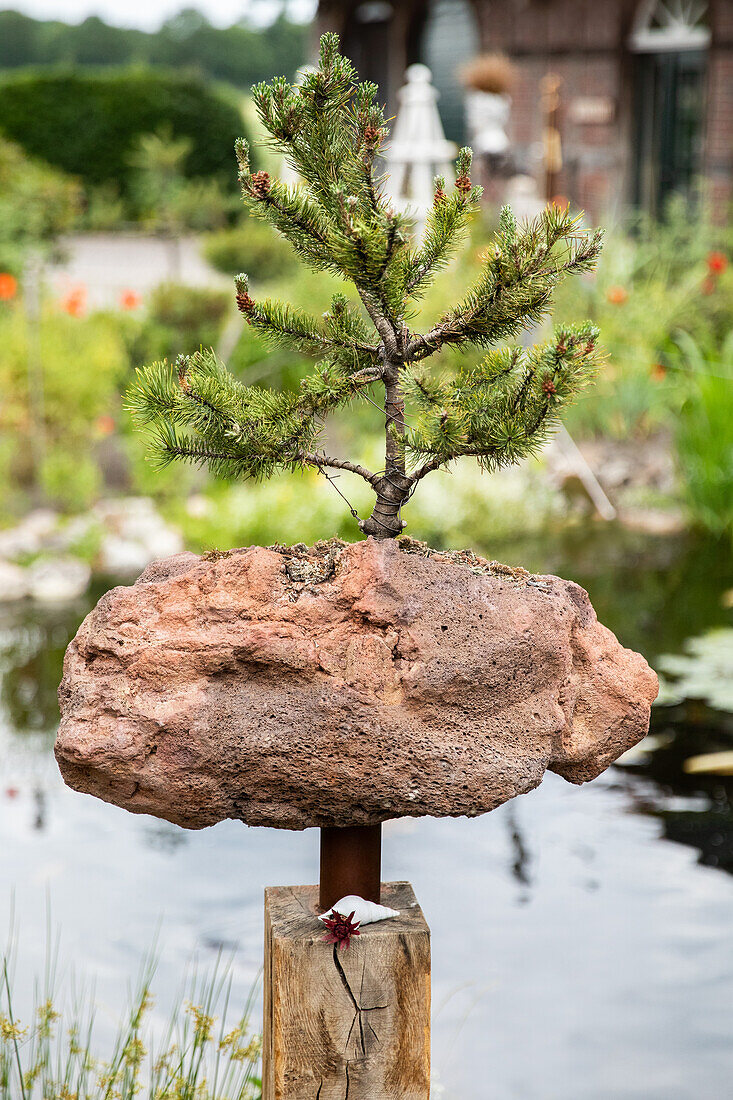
[[667, 248], [70, 480], [708, 314], [36, 205], [87, 123], [165, 199], [637, 304], [104, 208], [704, 435], [250, 247], [179, 320]]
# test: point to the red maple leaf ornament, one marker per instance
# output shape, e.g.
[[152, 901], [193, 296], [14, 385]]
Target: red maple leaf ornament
[[340, 929]]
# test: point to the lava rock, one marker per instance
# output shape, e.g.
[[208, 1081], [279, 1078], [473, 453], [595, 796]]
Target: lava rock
[[341, 685]]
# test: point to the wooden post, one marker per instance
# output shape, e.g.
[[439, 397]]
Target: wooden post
[[550, 87], [352, 1023]]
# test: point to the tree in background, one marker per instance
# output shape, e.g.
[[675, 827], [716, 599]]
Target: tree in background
[[331, 128], [240, 54], [166, 199]]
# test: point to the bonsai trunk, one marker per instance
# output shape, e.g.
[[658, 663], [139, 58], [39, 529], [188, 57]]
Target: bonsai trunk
[[351, 858], [393, 488]]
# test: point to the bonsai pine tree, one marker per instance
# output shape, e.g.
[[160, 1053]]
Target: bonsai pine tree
[[339, 219]]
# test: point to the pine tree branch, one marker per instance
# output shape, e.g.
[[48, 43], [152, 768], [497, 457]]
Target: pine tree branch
[[516, 285], [445, 229], [311, 459], [515, 397], [271, 201], [428, 467], [285, 324]]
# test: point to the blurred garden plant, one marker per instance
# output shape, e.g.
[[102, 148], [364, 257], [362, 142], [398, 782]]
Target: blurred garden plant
[[200, 1055], [331, 129], [84, 366], [251, 245], [167, 199], [177, 317], [37, 204], [655, 279], [704, 433]]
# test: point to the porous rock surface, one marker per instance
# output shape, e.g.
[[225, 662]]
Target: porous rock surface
[[341, 685]]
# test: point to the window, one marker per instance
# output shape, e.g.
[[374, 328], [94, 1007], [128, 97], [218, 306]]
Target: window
[[670, 25], [670, 41]]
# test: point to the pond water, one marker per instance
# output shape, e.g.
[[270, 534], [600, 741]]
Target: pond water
[[582, 945]]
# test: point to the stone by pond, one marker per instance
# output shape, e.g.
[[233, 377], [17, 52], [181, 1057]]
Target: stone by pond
[[591, 957], [345, 684]]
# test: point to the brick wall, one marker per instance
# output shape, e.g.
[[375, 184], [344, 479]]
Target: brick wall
[[583, 44], [718, 156], [586, 43]]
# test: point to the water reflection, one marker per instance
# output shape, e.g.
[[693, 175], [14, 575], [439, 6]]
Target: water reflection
[[696, 810], [163, 836], [520, 858], [33, 640]]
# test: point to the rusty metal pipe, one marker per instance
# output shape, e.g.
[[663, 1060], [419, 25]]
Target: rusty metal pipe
[[351, 863]]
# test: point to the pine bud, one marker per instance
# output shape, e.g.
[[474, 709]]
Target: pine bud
[[463, 185], [182, 365], [463, 161], [439, 184], [589, 347], [261, 184], [241, 149], [372, 135], [245, 304], [508, 223], [548, 387]]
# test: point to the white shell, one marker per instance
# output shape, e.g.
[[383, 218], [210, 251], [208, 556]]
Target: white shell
[[365, 912]]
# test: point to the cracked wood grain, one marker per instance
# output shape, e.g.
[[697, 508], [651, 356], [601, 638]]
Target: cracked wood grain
[[345, 1025]]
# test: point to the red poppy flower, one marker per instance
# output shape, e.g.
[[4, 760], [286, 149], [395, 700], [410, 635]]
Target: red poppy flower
[[8, 286], [75, 302], [105, 425], [617, 295], [717, 263], [130, 299]]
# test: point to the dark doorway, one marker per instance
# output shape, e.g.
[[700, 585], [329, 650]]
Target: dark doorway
[[670, 108], [367, 41], [449, 38]]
